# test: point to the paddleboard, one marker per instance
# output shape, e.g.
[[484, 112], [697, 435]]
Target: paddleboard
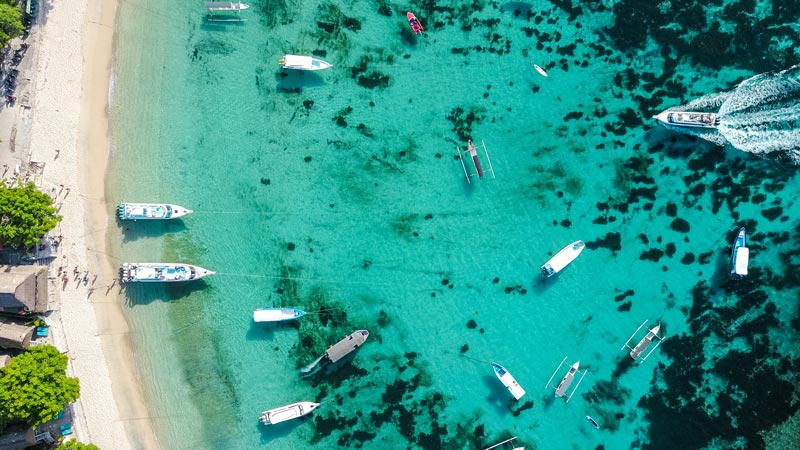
[[540, 70]]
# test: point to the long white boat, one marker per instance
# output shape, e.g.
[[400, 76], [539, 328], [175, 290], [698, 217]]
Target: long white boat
[[299, 62], [740, 255], [288, 412], [508, 381], [562, 259], [277, 314], [150, 211], [688, 119], [161, 272]]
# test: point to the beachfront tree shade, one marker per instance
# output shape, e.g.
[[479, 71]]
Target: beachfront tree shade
[[26, 214], [75, 445], [10, 22], [34, 386]]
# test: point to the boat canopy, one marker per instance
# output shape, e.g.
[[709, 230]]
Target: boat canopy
[[225, 6], [742, 258]]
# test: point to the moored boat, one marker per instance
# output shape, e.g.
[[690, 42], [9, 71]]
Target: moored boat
[[414, 23], [645, 342], [214, 8], [508, 381], [562, 387], [288, 412], [347, 345], [150, 211], [688, 119], [299, 62], [740, 255], [277, 314], [562, 259], [592, 421], [161, 272]]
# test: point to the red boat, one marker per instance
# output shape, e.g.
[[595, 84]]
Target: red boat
[[416, 27]]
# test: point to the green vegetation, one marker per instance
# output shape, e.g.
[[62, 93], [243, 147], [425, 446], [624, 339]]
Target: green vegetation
[[10, 22], [34, 386], [75, 445], [26, 214]]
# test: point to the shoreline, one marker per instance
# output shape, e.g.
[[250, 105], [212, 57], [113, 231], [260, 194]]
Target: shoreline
[[69, 133]]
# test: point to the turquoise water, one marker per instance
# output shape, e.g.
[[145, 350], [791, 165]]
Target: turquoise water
[[340, 191]]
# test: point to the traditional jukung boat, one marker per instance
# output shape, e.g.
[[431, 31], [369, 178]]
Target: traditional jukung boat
[[161, 272], [288, 412], [507, 441], [298, 62], [150, 211], [416, 27], [688, 119], [566, 381], [740, 255], [641, 347], [562, 259], [508, 381], [217, 7], [277, 314]]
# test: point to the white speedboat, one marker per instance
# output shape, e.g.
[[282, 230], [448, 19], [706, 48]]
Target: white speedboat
[[277, 314], [740, 256], [688, 119], [161, 272], [150, 211], [508, 381], [562, 259], [288, 412], [298, 62]]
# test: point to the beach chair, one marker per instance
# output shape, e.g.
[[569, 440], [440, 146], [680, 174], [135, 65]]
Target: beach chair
[[41, 331], [66, 429]]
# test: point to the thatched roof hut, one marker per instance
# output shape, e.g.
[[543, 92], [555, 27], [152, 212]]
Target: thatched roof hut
[[23, 289], [14, 334], [17, 438]]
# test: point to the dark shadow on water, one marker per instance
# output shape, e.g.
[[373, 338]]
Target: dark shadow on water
[[145, 293], [265, 331], [499, 397], [280, 430], [296, 80], [218, 26], [133, 230], [409, 38]]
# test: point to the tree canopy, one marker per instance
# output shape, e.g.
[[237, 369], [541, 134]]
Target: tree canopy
[[34, 386], [10, 22], [75, 445], [26, 214]]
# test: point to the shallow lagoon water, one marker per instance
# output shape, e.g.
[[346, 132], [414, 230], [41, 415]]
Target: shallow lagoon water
[[340, 190]]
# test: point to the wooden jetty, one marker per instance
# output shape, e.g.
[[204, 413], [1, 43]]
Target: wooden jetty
[[346, 346]]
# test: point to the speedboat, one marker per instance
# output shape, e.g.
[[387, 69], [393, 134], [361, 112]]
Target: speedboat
[[161, 272], [562, 259], [688, 119], [150, 211], [298, 62], [740, 255], [288, 412], [277, 314], [508, 381], [416, 27]]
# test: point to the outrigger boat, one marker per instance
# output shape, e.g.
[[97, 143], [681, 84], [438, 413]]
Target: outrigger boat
[[473, 153], [161, 272], [567, 380], [505, 442], [562, 259], [416, 27], [277, 314], [150, 211], [641, 347], [298, 62], [288, 412], [688, 119], [508, 381], [217, 7], [740, 255]]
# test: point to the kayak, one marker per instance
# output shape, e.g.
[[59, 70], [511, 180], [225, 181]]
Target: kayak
[[416, 27], [540, 70]]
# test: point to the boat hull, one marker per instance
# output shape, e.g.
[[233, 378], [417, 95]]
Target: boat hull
[[277, 314], [567, 380], [688, 119], [288, 412], [740, 255], [161, 272], [346, 346], [414, 23], [508, 381], [151, 211], [562, 259], [299, 62]]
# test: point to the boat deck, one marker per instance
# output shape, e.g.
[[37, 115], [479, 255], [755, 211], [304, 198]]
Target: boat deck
[[347, 345]]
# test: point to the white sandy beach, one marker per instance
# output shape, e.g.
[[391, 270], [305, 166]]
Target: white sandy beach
[[64, 124]]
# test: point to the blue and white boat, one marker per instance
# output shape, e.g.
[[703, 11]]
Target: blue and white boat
[[688, 119], [740, 256], [298, 62], [277, 314], [562, 259], [150, 211], [161, 272], [508, 381]]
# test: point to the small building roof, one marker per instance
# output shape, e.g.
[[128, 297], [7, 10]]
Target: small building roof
[[14, 334], [23, 289], [4, 360]]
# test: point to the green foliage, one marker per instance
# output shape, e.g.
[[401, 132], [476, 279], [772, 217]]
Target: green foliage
[[34, 386], [10, 23], [75, 445], [26, 214]]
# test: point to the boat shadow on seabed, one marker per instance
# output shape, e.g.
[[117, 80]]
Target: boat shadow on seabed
[[280, 430], [145, 293], [135, 230], [296, 80]]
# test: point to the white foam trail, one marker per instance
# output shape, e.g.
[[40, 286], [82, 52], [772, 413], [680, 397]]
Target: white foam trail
[[311, 366]]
